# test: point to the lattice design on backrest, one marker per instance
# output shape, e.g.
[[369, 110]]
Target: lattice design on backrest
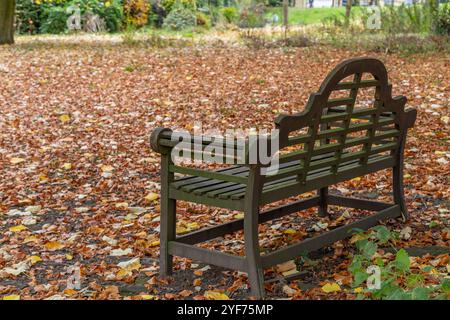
[[343, 123], [345, 132]]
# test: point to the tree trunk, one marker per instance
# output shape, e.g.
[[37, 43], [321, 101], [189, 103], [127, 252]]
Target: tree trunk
[[7, 8], [285, 13], [348, 8]]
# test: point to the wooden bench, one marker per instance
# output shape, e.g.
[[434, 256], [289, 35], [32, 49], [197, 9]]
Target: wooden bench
[[332, 141]]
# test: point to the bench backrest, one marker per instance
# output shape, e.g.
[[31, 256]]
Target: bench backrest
[[338, 128]]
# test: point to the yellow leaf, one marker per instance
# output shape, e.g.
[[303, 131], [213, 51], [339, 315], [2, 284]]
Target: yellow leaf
[[154, 243], [289, 272], [122, 205], [18, 228], [357, 237], [331, 287], [356, 179], [30, 239], [107, 168], [151, 197], [16, 160], [406, 176], [69, 257], [181, 229], [64, 118], [287, 266], [12, 297], [358, 290], [122, 273], [239, 216], [289, 231], [147, 296], [34, 259], [307, 195], [53, 245], [130, 265], [67, 166], [192, 226], [69, 292], [214, 295]]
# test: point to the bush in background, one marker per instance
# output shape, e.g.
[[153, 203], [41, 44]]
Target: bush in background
[[27, 16], [157, 14], [171, 4], [53, 20], [136, 12], [50, 16], [180, 18], [230, 14], [202, 19], [442, 26], [251, 14]]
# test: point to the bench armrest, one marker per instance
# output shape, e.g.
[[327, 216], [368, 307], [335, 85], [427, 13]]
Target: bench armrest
[[231, 151], [411, 115]]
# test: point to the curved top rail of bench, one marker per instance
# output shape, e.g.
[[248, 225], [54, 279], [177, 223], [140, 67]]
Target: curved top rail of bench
[[287, 123], [354, 66]]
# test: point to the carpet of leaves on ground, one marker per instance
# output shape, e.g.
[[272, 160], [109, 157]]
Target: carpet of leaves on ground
[[79, 183]]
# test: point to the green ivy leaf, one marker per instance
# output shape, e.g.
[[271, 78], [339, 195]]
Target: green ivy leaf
[[360, 244], [360, 277], [420, 293], [413, 279], [356, 265], [369, 249], [387, 289], [399, 294], [446, 285], [402, 260], [383, 234], [379, 262]]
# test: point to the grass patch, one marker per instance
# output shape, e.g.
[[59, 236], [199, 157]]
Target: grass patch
[[299, 16]]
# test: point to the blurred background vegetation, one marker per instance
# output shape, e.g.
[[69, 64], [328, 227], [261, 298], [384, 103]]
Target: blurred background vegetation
[[415, 26]]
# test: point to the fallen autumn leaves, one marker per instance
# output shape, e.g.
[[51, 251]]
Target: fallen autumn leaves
[[79, 184]]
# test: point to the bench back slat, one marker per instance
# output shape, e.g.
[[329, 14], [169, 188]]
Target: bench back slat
[[345, 127]]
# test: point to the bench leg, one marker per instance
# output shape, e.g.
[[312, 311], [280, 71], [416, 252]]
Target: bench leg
[[399, 196], [167, 233], [254, 265], [167, 225], [323, 206], [251, 215], [397, 180]]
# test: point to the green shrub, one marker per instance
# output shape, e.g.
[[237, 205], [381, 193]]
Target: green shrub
[[27, 16], [53, 19], [398, 281], [50, 16], [156, 15], [180, 18], [136, 12], [442, 23], [202, 19], [251, 14], [230, 14], [110, 11], [171, 4], [112, 14]]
